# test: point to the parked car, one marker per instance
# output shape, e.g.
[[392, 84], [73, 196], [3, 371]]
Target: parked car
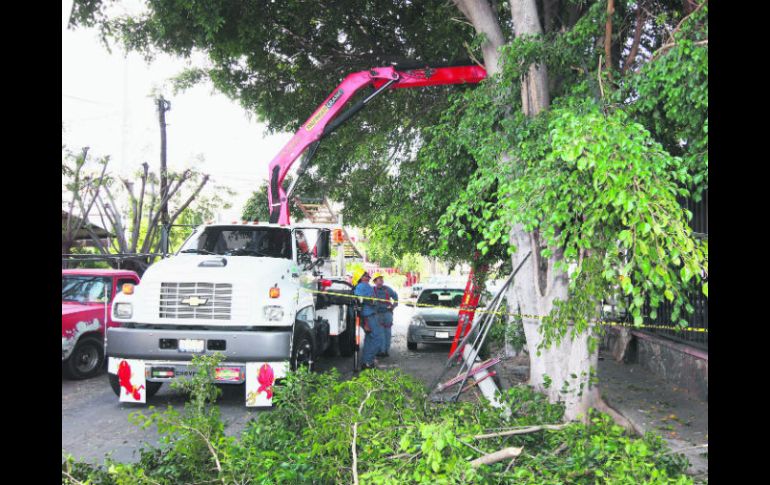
[[86, 297], [435, 325]]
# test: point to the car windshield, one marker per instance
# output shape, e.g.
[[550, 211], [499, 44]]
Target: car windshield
[[85, 289], [444, 297], [271, 242]]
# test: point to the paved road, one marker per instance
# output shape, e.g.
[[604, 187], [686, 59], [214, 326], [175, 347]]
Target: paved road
[[94, 423]]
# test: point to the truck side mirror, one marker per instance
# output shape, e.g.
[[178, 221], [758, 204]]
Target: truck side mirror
[[323, 244]]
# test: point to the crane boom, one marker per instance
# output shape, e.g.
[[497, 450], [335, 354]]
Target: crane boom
[[325, 120]]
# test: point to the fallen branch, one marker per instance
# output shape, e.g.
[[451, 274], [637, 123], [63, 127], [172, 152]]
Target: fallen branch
[[210, 447], [355, 437], [561, 448], [501, 455], [73, 479], [526, 430]]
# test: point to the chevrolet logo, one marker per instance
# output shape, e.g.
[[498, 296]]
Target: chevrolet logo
[[195, 301]]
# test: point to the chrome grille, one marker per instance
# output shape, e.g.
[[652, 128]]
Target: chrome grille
[[218, 296], [442, 324]]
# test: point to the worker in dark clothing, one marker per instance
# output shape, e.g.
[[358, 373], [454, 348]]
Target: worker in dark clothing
[[388, 301], [369, 318]]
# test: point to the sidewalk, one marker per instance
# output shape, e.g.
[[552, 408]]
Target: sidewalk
[[653, 404]]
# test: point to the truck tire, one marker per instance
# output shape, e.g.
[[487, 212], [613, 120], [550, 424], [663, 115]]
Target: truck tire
[[152, 387], [86, 360], [302, 353]]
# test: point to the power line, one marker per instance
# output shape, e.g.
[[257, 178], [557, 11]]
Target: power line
[[77, 98]]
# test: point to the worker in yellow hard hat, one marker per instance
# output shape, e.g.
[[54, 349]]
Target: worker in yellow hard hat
[[388, 300], [357, 274], [369, 318]]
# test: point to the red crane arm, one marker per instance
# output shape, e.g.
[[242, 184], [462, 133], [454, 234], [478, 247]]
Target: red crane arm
[[325, 120]]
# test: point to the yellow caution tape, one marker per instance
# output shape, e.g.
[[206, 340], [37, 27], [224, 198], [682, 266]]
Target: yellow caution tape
[[522, 315]]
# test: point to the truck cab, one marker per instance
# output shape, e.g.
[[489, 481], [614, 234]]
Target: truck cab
[[85, 313], [252, 292]]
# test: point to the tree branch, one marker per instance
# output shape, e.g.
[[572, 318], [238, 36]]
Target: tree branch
[[608, 37], [525, 430], [355, 437], [500, 455], [138, 214], [189, 199], [119, 233], [640, 18]]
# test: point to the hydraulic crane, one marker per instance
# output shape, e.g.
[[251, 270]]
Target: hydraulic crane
[[325, 119]]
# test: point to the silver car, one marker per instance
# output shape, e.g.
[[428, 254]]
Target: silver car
[[435, 325]]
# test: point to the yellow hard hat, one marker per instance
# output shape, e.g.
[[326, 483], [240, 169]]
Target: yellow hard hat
[[357, 274], [377, 275]]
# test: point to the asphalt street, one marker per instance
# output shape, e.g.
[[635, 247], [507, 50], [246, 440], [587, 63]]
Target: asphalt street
[[95, 424]]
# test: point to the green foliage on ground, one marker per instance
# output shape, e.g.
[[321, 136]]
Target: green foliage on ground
[[398, 435]]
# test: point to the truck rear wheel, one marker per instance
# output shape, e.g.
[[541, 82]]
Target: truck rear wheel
[[152, 387], [86, 359]]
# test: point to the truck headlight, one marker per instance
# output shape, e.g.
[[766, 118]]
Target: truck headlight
[[273, 313], [124, 310]]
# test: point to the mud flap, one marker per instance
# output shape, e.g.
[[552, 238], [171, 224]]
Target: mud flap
[[131, 376], [260, 379]]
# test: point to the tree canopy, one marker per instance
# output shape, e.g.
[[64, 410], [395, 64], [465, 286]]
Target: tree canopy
[[607, 163], [579, 148]]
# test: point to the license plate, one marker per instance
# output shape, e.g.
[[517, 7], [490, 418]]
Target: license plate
[[227, 374], [190, 345], [442, 334]]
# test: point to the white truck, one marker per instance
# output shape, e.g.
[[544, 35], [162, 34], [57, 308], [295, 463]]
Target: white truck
[[253, 292]]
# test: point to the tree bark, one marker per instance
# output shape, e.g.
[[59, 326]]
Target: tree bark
[[485, 21], [608, 38], [538, 285]]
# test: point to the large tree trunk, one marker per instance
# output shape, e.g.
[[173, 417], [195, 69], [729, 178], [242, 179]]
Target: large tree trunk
[[539, 284]]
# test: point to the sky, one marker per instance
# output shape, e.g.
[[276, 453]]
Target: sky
[[108, 105]]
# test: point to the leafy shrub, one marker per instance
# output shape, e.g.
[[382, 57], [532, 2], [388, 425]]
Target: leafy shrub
[[398, 436]]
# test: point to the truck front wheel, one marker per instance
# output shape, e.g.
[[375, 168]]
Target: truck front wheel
[[152, 387], [86, 360], [302, 351]]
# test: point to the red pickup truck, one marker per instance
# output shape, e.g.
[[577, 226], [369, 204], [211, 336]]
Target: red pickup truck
[[86, 299]]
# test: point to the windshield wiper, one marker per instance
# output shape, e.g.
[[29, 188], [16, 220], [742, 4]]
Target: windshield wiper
[[197, 251], [242, 251]]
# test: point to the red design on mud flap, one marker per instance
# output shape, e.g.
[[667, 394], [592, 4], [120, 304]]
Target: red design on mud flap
[[124, 378], [266, 378]]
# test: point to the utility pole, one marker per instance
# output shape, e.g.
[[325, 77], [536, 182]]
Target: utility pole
[[163, 106]]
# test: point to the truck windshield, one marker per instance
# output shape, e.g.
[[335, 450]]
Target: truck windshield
[[85, 289], [271, 242]]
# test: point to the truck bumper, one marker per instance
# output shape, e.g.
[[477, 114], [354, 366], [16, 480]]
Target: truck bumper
[[259, 377], [163, 345]]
